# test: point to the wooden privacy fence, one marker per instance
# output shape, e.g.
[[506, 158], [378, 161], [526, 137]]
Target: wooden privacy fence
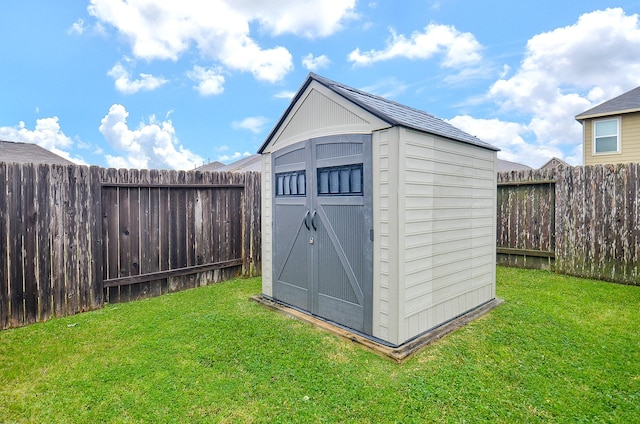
[[74, 237], [526, 234], [581, 221]]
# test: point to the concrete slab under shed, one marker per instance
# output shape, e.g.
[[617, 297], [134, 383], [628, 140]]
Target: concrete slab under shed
[[396, 353]]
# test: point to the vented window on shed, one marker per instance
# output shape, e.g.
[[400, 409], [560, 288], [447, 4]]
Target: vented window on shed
[[291, 183], [340, 180]]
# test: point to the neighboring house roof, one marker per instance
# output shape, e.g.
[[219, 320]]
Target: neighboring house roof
[[13, 152], [625, 103], [211, 166], [554, 163], [506, 166], [395, 114], [250, 163]]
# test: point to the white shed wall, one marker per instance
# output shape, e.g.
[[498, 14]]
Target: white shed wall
[[446, 230], [434, 224]]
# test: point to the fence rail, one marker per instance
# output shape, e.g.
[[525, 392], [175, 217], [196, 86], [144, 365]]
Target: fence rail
[[581, 221], [75, 237]]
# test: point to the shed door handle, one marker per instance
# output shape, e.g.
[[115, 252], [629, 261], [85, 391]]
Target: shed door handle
[[313, 220], [306, 223]]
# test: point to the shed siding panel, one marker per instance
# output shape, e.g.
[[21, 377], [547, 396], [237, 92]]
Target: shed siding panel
[[385, 218], [449, 230], [267, 233]]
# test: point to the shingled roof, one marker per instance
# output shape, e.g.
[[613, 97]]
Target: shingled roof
[[395, 114], [251, 163], [211, 166], [625, 103], [507, 166], [13, 152]]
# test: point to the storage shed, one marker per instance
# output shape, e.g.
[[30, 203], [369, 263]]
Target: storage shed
[[376, 216]]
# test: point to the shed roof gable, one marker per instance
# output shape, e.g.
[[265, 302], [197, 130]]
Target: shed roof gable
[[318, 111], [393, 113], [315, 102]]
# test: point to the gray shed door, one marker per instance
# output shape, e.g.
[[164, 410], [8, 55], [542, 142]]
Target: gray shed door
[[323, 229]]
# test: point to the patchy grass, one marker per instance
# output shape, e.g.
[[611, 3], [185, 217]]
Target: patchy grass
[[559, 349]]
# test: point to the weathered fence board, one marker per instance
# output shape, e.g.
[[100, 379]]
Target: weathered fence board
[[74, 237], [598, 222], [16, 227], [189, 233], [594, 230], [526, 219], [42, 228], [35, 202], [163, 227], [4, 266]]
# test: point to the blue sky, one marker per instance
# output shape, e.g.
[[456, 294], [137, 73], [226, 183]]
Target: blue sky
[[175, 84]]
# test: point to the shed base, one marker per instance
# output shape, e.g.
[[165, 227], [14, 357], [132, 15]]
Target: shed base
[[397, 353]]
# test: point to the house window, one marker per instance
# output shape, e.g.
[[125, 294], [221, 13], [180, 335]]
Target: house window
[[340, 180], [291, 183], [606, 136]]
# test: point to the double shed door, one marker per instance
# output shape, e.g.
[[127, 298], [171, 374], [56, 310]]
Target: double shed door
[[323, 237]]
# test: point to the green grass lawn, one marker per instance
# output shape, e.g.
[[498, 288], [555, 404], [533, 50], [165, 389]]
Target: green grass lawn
[[559, 349]]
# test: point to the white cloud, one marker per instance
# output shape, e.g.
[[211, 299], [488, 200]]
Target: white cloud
[[311, 18], [77, 27], [387, 88], [284, 94], [126, 85], [564, 72], [314, 63], [47, 134], [151, 145], [255, 124], [233, 157], [505, 71], [570, 69], [509, 138], [459, 49], [210, 81], [245, 55], [221, 30]]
